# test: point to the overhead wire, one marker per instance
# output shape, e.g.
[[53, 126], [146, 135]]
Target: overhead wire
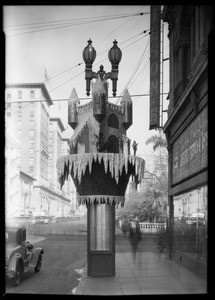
[[105, 51], [130, 15], [115, 29], [95, 64], [66, 20], [68, 25], [137, 66], [135, 70]]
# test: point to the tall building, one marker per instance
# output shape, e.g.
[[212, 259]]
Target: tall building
[[28, 106], [32, 123], [69, 186], [12, 195], [190, 32]]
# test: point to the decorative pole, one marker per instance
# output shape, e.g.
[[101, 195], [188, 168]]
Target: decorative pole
[[100, 174]]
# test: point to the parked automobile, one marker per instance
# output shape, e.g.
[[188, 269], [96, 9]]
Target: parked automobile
[[21, 256], [40, 217]]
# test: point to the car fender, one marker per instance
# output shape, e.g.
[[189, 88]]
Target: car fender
[[36, 254], [11, 270]]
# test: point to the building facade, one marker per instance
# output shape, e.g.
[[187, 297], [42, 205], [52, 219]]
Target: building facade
[[12, 195], [28, 107], [187, 135]]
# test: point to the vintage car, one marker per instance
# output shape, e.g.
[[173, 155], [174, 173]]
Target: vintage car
[[21, 256]]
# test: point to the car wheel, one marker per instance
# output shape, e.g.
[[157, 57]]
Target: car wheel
[[17, 275], [39, 263]]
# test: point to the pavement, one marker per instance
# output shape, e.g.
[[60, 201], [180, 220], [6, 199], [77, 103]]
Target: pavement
[[145, 274]]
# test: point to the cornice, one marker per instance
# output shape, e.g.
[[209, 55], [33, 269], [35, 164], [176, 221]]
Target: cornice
[[32, 85]]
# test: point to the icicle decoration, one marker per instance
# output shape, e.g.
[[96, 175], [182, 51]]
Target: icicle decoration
[[108, 199], [78, 132], [113, 162]]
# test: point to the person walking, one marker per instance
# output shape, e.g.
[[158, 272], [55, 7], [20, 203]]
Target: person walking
[[135, 237]]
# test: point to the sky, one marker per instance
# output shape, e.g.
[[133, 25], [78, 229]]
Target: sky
[[52, 38]]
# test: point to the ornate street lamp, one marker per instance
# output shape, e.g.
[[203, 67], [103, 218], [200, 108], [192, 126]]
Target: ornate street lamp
[[114, 55]]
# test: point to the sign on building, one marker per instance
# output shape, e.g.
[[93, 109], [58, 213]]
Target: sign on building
[[155, 20], [190, 149]]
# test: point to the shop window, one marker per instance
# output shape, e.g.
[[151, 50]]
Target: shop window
[[190, 223], [113, 121]]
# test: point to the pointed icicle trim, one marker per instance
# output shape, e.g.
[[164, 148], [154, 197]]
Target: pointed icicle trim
[[100, 199], [113, 162]]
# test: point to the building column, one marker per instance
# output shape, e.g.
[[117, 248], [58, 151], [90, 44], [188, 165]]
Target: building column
[[180, 63], [171, 225], [197, 29], [192, 44]]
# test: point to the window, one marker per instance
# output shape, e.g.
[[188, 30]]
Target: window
[[31, 169], [31, 133], [31, 123], [113, 144], [31, 161], [113, 121], [19, 114], [8, 96], [32, 94], [19, 94], [31, 143], [31, 114], [8, 106]]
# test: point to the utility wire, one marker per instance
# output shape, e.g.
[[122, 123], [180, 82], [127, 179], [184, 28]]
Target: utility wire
[[135, 70], [95, 64], [67, 25], [103, 41], [66, 99], [115, 29], [78, 19], [105, 51]]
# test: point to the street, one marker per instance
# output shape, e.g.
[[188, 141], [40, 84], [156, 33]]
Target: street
[[64, 254], [57, 275]]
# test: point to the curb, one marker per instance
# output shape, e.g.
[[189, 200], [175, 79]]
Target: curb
[[80, 287]]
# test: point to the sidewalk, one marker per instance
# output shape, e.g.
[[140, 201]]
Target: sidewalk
[[147, 273]]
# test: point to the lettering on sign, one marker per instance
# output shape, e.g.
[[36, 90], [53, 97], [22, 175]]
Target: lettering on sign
[[154, 115], [190, 149]]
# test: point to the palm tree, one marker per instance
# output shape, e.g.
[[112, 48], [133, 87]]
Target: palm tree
[[161, 187], [157, 141]]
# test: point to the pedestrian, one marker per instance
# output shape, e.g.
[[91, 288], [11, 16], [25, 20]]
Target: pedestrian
[[135, 237]]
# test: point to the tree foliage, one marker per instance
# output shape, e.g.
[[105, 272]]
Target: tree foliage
[[150, 204]]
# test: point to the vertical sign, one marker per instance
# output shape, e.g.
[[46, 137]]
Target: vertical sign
[[154, 118]]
